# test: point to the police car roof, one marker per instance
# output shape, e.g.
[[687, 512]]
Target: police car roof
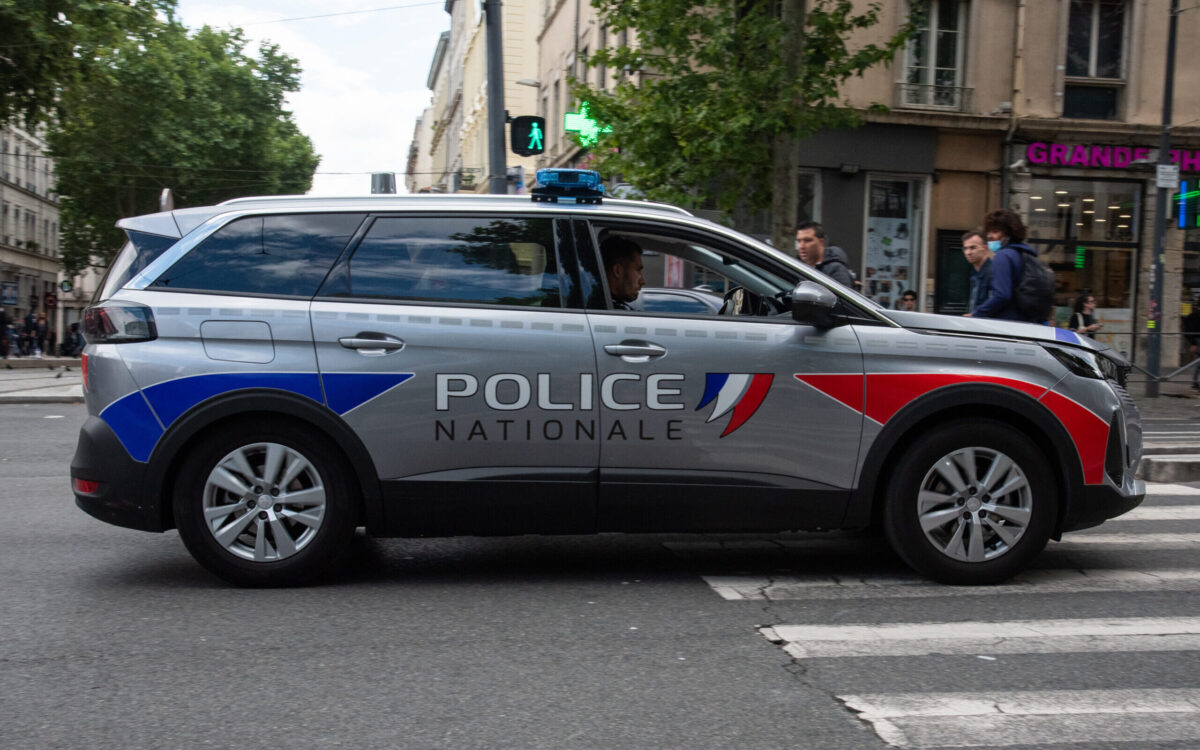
[[180, 222]]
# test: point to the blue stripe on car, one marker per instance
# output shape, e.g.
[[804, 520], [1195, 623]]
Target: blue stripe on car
[[1066, 335], [134, 422], [174, 397], [349, 390], [134, 425]]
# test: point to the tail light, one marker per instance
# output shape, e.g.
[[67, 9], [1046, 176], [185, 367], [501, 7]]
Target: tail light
[[83, 358], [115, 322]]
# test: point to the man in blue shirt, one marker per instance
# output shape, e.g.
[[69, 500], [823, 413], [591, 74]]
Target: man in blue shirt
[[980, 258], [1005, 233]]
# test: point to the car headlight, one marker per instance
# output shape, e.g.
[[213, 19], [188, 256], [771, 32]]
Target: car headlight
[[1080, 362]]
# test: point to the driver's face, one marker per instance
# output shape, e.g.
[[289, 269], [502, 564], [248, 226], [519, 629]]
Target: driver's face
[[625, 280]]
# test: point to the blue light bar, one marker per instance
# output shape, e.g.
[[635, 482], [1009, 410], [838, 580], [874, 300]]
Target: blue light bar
[[569, 185]]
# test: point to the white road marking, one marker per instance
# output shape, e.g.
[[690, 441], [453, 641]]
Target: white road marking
[[1158, 541], [1155, 488], [984, 637], [1030, 717], [1160, 513], [911, 585]]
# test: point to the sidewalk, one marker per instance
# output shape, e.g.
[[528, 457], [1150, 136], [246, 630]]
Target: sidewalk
[[48, 380]]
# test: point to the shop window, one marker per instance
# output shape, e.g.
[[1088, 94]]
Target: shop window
[[1095, 55], [1087, 231], [933, 70]]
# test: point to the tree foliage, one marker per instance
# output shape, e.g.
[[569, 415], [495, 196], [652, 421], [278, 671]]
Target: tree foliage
[[191, 111], [48, 45], [722, 81]]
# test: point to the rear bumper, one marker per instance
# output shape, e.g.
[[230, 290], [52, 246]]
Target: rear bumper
[[121, 498], [1095, 504]]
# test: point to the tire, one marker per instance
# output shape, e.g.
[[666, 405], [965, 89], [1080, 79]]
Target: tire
[[944, 516], [257, 530]]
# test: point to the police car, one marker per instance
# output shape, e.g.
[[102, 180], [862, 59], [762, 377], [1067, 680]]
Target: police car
[[269, 374]]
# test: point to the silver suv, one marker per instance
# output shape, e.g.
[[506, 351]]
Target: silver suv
[[268, 374]]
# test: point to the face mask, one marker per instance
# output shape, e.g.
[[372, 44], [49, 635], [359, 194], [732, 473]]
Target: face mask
[[994, 245]]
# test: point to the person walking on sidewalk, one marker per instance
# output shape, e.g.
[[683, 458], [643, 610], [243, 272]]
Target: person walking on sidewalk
[[977, 254], [1082, 321], [1006, 239], [41, 331], [831, 261]]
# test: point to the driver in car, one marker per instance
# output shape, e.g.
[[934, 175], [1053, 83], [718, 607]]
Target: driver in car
[[623, 266]]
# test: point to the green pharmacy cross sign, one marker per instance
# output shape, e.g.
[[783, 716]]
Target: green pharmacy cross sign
[[581, 122]]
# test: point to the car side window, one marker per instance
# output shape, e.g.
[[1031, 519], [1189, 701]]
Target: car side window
[[278, 255], [689, 273], [488, 260]]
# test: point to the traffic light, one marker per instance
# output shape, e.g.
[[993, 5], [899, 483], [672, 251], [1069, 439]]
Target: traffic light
[[528, 135]]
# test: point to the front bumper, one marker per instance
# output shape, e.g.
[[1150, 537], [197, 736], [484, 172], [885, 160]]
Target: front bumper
[[1095, 504], [121, 497]]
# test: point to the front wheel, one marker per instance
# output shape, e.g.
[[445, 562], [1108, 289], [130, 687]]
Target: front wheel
[[970, 503], [265, 506]]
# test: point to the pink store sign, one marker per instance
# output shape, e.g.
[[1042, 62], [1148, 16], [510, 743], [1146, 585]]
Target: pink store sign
[[1111, 157]]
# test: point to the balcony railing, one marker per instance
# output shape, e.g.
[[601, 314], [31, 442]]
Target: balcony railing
[[933, 96]]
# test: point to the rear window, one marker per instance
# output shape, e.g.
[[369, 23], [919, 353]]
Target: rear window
[[508, 261], [139, 252], [270, 255]]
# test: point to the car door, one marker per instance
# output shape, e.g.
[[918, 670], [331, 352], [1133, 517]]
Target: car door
[[448, 344], [706, 422]]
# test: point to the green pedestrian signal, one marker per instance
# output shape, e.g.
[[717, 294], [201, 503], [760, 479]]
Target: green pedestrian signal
[[528, 135]]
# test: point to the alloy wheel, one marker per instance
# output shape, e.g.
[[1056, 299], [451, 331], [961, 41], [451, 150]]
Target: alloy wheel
[[975, 504], [264, 502]]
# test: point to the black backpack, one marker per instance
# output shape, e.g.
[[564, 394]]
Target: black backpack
[[1034, 295]]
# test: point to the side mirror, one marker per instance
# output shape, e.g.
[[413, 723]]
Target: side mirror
[[813, 304]]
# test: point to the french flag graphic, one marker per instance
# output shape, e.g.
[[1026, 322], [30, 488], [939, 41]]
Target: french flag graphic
[[740, 392]]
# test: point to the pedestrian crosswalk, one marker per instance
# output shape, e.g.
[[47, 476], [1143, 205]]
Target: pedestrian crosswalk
[[1030, 717], [1138, 553]]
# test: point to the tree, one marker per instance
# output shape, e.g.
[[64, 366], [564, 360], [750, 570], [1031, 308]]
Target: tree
[[46, 45], [729, 90], [186, 110]]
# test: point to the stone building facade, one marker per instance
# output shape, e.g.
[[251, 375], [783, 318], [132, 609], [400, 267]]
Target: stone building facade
[[1029, 105]]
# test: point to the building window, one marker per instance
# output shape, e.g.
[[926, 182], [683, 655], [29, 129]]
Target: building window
[[557, 110], [602, 70], [933, 70], [1095, 51]]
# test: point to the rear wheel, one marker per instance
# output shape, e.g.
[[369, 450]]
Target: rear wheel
[[970, 503], [268, 506]]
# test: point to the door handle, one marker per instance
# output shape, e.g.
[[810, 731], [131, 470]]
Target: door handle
[[373, 344], [635, 351]]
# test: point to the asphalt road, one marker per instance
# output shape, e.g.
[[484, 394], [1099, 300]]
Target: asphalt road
[[111, 638]]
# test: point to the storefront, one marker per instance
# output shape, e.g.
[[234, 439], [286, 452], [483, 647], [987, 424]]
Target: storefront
[[1088, 231], [870, 188], [1090, 215]]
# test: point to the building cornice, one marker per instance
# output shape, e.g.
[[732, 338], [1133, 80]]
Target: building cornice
[[934, 119], [52, 202], [1038, 128]]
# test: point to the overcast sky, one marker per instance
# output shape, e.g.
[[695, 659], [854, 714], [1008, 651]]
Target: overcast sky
[[363, 80]]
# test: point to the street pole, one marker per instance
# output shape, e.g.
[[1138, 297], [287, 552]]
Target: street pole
[[1154, 322], [497, 166]]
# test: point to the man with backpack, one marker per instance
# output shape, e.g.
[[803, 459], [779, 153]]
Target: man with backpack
[[1022, 284]]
